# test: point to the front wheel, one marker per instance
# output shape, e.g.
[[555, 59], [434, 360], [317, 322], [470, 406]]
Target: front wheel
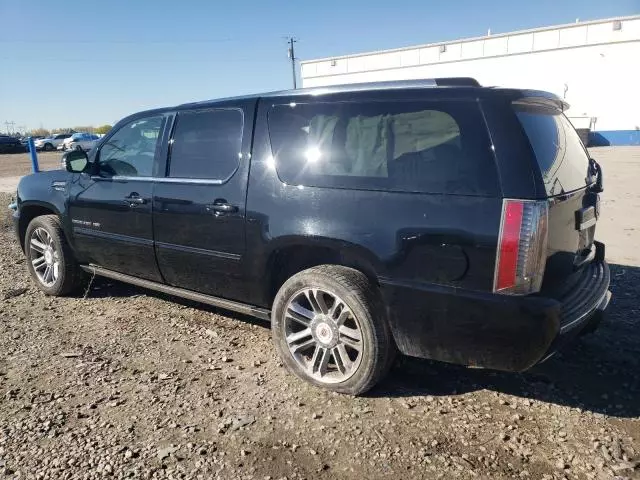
[[330, 329], [47, 147], [49, 257]]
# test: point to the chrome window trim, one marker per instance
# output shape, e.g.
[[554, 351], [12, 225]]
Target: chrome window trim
[[195, 181]]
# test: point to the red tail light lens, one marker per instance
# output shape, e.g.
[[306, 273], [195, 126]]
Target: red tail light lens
[[522, 245], [509, 245]]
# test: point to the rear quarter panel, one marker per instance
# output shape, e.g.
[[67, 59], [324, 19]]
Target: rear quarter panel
[[439, 239]]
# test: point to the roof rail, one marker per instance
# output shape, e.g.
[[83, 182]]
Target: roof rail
[[356, 87], [384, 85], [457, 82]]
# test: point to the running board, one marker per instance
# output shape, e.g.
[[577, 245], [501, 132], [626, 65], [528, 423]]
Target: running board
[[180, 292]]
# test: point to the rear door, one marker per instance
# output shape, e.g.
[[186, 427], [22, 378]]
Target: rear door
[[563, 164], [199, 207]]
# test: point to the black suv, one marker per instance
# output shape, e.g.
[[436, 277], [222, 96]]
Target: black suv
[[434, 217]]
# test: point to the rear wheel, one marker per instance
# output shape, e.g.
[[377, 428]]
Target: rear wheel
[[329, 327], [47, 147], [49, 257]]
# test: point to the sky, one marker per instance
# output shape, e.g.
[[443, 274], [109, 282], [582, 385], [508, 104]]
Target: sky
[[67, 63]]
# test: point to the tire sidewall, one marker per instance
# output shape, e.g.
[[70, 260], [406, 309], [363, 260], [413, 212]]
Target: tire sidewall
[[315, 279], [56, 288]]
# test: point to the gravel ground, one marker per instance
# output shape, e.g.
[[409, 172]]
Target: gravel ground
[[16, 164], [127, 383]]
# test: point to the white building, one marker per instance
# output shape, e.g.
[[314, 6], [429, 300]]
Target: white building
[[594, 65]]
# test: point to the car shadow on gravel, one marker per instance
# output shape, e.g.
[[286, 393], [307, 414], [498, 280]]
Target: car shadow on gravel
[[106, 288], [598, 372]]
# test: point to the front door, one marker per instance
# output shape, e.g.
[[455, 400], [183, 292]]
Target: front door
[[199, 207], [111, 210]]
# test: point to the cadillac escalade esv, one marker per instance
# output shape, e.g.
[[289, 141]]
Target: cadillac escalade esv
[[436, 218]]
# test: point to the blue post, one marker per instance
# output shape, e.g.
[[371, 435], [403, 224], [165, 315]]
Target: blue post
[[34, 155]]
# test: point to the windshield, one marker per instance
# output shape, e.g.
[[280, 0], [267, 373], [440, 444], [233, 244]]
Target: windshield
[[561, 156]]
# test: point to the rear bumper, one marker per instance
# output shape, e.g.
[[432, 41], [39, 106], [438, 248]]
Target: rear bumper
[[486, 330], [585, 323]]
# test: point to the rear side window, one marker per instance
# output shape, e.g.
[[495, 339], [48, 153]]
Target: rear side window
[[427, 147], [206, 144], [562, 159]]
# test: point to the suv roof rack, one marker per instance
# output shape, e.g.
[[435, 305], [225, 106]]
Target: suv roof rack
[[385, 85], [457, 82], [356, 87]]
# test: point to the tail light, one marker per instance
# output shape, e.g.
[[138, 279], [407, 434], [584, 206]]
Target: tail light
[[522, 246]]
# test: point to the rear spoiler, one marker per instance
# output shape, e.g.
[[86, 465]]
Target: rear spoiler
[[538, 97]]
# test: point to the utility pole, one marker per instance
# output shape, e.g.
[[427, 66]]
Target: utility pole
[[292, 56]]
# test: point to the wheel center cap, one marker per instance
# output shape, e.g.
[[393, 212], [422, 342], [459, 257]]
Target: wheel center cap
[[48, 256], [324, 333]]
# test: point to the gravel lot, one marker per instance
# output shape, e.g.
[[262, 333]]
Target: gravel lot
[[13, 166], [16, 164], [128, 383]]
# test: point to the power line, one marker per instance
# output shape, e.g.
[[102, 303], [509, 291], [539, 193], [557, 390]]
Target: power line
[[292, 56]]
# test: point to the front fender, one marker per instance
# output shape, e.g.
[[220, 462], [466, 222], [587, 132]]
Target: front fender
[[46, 189], [40, 194]]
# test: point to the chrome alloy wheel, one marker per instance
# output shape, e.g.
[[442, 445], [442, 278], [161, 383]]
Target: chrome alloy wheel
[[44, 257], [323, 335]]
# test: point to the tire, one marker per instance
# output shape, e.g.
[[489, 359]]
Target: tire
[[68, 275], [47, 147], [78, 148], [345, 294]]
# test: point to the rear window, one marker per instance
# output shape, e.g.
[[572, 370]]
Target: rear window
[[562, 158], [428, 147]]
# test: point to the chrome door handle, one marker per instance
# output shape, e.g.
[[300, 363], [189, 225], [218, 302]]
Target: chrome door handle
[[221, 207], [134, 199]]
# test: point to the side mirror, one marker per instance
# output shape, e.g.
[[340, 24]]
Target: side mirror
[[75, 161], [596, 170]]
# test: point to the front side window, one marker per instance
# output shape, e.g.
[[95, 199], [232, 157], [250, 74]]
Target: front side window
[[206, 144], [131, 150], [427, 147]]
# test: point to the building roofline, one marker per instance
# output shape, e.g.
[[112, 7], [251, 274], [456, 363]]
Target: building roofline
[[471, 39]]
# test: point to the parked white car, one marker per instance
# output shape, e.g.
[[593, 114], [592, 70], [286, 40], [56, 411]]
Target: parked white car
[[79, 141], [51, 142]]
